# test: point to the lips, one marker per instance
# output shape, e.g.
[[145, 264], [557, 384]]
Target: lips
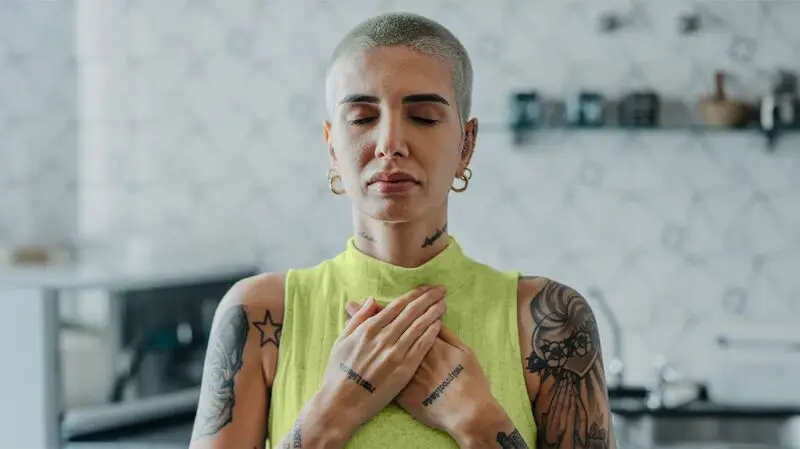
[[394, 183], [392, 177]]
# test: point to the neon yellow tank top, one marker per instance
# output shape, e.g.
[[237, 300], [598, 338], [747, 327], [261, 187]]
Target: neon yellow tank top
[[481, 310]]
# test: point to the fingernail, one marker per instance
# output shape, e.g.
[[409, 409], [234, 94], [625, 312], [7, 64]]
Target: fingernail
[[367, 303]]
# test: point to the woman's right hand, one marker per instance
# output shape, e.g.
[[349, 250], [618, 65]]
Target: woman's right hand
[[378, 353]]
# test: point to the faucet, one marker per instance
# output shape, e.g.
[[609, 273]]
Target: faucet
[[616, 366]]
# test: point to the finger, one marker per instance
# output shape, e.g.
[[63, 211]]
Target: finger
[[390, 312], [409, 315], [365, 312], [451, 338], [424, 343], [419, 326], [352, 307]]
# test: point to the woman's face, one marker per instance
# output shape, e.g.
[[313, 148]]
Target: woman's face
[[394, 134]]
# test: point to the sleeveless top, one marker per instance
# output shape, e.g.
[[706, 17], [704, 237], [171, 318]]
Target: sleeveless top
[[481, 311]]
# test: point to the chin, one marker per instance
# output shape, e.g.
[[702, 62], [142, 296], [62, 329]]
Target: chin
[[393, 210]]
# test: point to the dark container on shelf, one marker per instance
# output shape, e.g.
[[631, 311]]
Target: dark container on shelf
[[585, 109], [639, 110], [786, 100], [526, 110]]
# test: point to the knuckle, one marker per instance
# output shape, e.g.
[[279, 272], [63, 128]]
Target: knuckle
[[395, 307], [368, 329], [419, 291], [371, 332], [392, 356], [436, 309], [415, 294], [417, 328], [416, 308]]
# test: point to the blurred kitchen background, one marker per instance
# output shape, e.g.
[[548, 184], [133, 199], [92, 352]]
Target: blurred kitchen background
[[646, 153]]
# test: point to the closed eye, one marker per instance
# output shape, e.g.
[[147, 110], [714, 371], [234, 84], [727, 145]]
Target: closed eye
[[425, 121], [366, 120], [361, 121]]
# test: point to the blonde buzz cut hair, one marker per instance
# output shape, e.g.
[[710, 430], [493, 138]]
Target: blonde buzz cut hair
[[418, 33]]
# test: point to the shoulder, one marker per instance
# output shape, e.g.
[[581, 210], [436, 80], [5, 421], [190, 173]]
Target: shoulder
[[267, 291], [541, 292], [257, 297], [261, 290], [530, 286], [550, 312], [250, 315], [548, 308], [557, 330]]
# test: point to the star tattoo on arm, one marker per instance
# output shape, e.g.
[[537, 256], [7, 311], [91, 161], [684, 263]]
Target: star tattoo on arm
[[269, 329]]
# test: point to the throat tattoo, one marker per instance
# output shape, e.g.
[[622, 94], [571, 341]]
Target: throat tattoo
[[435, 236]]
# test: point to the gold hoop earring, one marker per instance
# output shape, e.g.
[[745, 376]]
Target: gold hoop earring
[[465, 177], [333, 178]]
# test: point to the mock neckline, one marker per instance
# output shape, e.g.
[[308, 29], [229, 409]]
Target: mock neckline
[[387, 281]]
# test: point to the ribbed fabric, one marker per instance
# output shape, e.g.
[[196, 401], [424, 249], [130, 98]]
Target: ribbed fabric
[[481, 310]]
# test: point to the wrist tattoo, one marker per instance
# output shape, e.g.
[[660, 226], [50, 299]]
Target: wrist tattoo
[[297, 441], [440, 389], [354, 376], [511, 441]]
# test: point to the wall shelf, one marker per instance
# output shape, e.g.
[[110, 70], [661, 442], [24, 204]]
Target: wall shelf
[[521, 135]]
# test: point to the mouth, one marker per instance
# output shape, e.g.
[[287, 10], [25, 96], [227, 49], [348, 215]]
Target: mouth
[[392, 178], [392, 183]]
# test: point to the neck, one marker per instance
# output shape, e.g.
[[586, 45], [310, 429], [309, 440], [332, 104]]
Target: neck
[[408, 244]]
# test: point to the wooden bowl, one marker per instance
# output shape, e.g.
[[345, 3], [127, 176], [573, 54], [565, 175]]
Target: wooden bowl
[[723, 113]]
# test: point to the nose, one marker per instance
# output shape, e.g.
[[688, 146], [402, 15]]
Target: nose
[[391, 142]]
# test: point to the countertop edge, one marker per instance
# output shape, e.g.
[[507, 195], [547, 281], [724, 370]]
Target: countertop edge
[[68, 278]]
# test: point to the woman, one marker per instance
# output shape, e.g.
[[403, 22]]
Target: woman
[[444, 351]]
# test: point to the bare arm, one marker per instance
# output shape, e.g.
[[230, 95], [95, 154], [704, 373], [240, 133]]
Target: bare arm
[[239, 365], [564, 367]]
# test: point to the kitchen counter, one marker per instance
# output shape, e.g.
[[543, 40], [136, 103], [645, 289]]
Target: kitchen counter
[[171, 434], [176, 430], [29, 314], [175, 433], [705, 446], [122, 277]]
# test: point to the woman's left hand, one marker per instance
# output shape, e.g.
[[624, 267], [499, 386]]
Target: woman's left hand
[[450, 392]]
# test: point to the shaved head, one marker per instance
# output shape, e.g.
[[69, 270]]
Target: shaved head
[[418, 33]]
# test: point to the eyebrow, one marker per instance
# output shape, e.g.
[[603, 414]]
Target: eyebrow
[[416, 98]]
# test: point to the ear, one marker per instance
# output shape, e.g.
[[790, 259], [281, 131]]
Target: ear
[[468, 145], [328, 135]]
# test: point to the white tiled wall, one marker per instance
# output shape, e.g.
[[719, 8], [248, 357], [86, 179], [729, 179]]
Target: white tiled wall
[[38, 131], [201, 136]]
